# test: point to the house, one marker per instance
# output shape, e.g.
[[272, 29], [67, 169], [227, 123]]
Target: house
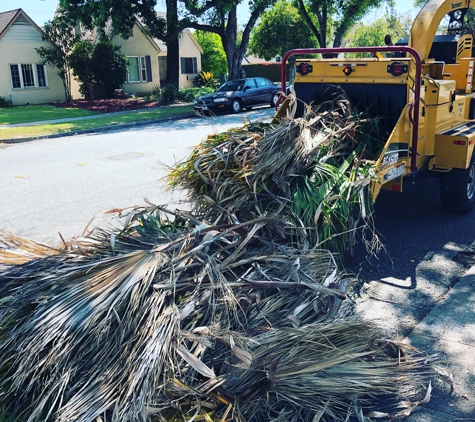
[[147, 58], [23, 79]]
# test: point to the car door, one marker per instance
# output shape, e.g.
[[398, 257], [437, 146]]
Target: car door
[[265, 90], [250, 93]]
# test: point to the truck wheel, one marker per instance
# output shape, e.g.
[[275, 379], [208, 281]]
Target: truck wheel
[[457, 189], [236, 106]]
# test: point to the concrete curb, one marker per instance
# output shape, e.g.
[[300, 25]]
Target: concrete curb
[[97, 130]]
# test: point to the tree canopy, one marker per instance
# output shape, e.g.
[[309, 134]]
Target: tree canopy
[[221, 17], [280, 29], [213, 58], [62, 40], [373, 34], [100, 63], [334, 18]]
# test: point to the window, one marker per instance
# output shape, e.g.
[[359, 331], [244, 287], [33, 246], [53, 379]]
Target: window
[[27, 75], [189, 65], [40, 70], [133, 70], [251, 83], [139, 69], [15, 74], [262, 82], [143, 68]]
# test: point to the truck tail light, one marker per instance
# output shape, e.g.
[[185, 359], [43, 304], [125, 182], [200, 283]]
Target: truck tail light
[[397, 68], [304, 68]]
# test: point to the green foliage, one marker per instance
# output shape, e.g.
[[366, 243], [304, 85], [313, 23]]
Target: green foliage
[[213, 58], [61, 35], [335, 19], [100, 63], [190, 94], [267, 70], [280, 29], [169, 94], [205, 79], [4, 102], [372, 34], [155, 93]]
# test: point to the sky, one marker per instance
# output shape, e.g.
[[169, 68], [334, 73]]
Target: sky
[[43, 10]]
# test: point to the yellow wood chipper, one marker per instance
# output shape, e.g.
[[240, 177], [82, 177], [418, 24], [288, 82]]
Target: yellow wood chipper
[[422, 92]]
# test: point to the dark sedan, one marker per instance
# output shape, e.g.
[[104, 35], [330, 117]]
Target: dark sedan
[[238, 94]]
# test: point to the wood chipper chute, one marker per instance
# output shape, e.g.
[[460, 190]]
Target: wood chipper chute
[[421, 93]]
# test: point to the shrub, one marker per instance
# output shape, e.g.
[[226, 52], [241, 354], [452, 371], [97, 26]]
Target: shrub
[[188, 95], [4, 102], [205, 79], [169, 94], [155, 93]]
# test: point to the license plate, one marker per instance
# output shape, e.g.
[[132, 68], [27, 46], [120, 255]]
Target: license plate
[[394, 172]]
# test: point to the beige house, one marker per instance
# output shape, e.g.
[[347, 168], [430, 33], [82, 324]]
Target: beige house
[[23, 79], [148, 60]]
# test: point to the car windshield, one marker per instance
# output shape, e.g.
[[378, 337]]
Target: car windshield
[[231, 86]]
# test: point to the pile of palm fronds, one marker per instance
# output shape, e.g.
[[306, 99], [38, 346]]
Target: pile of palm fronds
[[230, 311], [174, 318], [312, 171]]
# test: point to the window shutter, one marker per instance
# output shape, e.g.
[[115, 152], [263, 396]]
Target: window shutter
[[182, 65], [195, 65], [148, 65]]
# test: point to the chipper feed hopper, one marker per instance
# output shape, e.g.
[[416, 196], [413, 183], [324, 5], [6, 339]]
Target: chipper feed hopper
[[422, 92]]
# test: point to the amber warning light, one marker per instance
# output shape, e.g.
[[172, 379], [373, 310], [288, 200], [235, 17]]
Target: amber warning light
[[347, 70], [304, 68]]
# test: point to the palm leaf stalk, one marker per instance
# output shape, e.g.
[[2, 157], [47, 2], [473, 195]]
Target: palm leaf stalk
[[311, 171], [169, 319]]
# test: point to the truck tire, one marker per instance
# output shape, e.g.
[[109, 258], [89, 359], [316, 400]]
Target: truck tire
[[457, 189], [236, 106]]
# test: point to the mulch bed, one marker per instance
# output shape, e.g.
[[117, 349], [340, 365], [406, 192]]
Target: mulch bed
[[108, 105]]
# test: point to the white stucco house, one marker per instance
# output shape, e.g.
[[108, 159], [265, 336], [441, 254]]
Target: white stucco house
[[147, 58], [23, 79]]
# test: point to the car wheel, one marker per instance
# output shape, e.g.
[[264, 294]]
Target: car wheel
[[236, 105], [275, 98], [457, 189]]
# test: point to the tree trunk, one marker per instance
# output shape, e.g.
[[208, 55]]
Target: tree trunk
[[67, 85], [172, 41], [229, 44]]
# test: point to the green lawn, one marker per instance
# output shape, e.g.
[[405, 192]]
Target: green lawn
[[107, 120], [37, 113]]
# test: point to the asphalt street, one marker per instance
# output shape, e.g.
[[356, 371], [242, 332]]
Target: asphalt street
[[57, 185]]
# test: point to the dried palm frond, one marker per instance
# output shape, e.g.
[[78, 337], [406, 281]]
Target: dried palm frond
[[19, 250], [101, 328], [230, 311], [311, 171]]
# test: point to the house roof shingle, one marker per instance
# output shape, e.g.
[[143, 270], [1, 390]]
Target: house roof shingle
[[6, 18]]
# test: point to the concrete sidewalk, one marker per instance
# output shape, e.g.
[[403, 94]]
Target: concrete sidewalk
[[449, 330], [436, 314]]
